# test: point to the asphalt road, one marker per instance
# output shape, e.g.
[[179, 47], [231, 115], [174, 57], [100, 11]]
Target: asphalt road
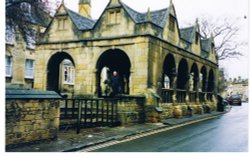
[[228, 133]]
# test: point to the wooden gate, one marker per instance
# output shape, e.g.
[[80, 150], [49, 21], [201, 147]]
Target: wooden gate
[[86, 113]]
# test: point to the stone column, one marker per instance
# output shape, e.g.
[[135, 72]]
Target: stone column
[[187, 88], [96, 80], [205, 89], [197, 86], [173, 86]]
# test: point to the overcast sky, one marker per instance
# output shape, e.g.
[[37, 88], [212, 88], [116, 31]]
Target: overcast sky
[[187, 11]]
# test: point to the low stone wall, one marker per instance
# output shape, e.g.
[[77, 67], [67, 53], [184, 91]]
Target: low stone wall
[[169, 110], [131, 109], [29, 120]]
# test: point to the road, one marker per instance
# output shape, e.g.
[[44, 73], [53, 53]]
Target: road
[[228, 133]]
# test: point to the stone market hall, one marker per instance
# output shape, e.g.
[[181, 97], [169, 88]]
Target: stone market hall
[[173, 68]]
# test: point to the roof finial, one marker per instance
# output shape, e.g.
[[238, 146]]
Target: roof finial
[[149, 14], [63, 2], [171, 2], [212, 35], [197, 21]]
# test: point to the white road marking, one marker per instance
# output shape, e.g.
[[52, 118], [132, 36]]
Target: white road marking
[[99, 146]]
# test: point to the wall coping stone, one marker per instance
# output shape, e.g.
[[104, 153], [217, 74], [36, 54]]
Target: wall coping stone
[[30, 94]]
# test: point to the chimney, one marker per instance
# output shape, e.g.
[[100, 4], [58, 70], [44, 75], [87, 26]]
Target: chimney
[[85, 8]]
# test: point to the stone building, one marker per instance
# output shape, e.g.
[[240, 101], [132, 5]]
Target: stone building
[[20, 45], [30, 115], [172, 67], [237, 86]]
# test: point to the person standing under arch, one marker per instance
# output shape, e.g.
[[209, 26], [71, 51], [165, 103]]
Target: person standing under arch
[[115, 84]]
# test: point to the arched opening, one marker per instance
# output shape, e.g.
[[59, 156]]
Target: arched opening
[[203, 78], [61, 73], [109, 62], [169, 72], [183, 77], [210, 87], [194, 78]]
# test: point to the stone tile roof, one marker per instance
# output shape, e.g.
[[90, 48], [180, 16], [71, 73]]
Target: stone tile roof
[[206, 45], [81, 22], [188, 33], [158, 17], [30, 94]]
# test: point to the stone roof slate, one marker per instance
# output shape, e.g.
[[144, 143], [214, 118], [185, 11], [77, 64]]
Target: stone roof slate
[[81, 22], [158, 17], [187, 33], [206, 45]]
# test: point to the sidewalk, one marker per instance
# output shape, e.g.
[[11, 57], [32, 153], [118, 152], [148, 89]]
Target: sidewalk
[[68, 140]]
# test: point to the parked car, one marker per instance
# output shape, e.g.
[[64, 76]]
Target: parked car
[[234, 99]]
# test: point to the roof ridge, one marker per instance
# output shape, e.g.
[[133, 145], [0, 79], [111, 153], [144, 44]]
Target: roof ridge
[[139, 17], [154, 11], [187, 28], [123, 4]]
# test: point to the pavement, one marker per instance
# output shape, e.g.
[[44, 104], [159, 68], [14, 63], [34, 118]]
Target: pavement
[[69, 141]]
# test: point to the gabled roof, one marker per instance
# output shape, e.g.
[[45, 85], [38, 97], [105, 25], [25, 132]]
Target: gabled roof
[[159, 17], [204, 54], [188, 33], [81, 22], [206, 45]]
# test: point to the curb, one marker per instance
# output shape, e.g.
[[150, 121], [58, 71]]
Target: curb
[[157, 130]]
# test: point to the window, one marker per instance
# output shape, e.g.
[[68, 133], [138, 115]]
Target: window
[[62, 24], [29, 69], [118, 16], [8, 66], [69, 72], [114, 17], [171, 23]]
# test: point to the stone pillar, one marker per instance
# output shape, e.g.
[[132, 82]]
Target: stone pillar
[[96, 80], [197, 87], [187, 88], [205, 90], [173, 85]]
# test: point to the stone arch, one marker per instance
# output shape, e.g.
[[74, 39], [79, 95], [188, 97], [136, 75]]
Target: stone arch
[[183, 75], [211, 81], [203, 78], [54, 71], [169, 71], [113, 60], [194, 77]]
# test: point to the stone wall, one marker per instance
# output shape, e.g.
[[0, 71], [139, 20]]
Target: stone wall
[[31, 120], [131, 110]]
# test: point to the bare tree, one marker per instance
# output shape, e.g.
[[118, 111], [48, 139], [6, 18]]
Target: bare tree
[[225, 34], [24, 14], [222, 83]]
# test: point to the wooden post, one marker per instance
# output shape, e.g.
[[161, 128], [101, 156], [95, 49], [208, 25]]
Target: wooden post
[[79, 118]]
